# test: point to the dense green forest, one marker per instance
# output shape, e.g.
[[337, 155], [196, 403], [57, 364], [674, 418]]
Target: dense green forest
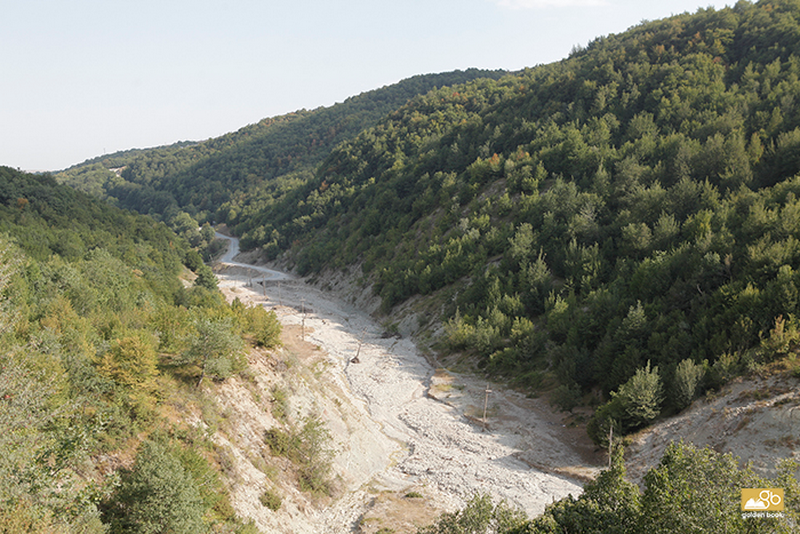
[[100, 340], [624, 219], [627, 214]]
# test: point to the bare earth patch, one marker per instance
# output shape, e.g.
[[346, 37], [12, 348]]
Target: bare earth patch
[[756, 419]]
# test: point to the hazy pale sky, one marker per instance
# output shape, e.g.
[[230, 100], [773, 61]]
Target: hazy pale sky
[[86, 77]]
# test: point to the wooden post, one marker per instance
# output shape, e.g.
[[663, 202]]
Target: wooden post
[[303, 321], [358, 351], [485, 405]]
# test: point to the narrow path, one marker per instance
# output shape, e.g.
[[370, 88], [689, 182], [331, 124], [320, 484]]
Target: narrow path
[[233, 251], [438, 447]]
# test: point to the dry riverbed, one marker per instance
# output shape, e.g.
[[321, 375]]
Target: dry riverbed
[[401, 428]]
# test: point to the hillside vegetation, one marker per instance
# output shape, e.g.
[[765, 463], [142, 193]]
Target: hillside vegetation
[[627, 214], [624, 221], [101, 343]]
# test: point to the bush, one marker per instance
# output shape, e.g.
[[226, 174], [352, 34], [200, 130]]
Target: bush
[[280, 443], [480, 516], [566, 397], [634, 404], [280, 404], [606, 417], [691, 490], [217, 349], [609, 505], [264, 326], [271, 500], [308, 449]]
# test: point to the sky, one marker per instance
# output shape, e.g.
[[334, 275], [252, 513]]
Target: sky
[[84, 78]]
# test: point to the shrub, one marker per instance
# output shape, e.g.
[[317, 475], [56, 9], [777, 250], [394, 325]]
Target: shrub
[[309, 450], [480, 515], [216, 348], [687, 379], [280, 404], [271, 500], [264, 326], [566, 397], [634, 404]]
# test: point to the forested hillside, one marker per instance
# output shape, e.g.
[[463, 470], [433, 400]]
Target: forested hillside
[[625, 219], [100, 344], [634, 203]]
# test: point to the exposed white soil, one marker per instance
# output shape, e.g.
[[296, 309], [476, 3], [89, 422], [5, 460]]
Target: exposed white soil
[[398, 425], [754, 419]]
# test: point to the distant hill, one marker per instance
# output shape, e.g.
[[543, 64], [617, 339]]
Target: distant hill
[[273, 154]]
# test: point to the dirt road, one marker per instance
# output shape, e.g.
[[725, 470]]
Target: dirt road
[[424, 427]]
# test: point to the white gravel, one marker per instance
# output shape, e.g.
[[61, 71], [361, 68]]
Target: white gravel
[[435, 445]]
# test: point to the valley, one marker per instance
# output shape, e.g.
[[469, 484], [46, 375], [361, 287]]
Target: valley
[[400, 425]]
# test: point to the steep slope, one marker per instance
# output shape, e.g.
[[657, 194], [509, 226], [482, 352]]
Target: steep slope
[[754, 418], [104, 341]]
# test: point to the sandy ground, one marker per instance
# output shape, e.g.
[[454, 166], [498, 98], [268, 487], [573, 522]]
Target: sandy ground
[[401, 425]]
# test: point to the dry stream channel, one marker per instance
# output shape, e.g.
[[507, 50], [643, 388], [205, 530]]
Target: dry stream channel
[[414, 426]]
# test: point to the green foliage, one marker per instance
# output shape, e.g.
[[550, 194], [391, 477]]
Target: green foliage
[[92, 319], [262, 324], [280, 404], [691, 490], [610, 504], [636, 202], [188, 182], [614, 195], [216, 349], [641, 397], [636, 403], [309, 449], [205, 277], [271, 500], [131, 362], [479, 516], [566, 397], [688, 376], [156, 496]]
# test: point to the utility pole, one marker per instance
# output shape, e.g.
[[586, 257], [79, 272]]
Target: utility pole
[[485, 405]]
